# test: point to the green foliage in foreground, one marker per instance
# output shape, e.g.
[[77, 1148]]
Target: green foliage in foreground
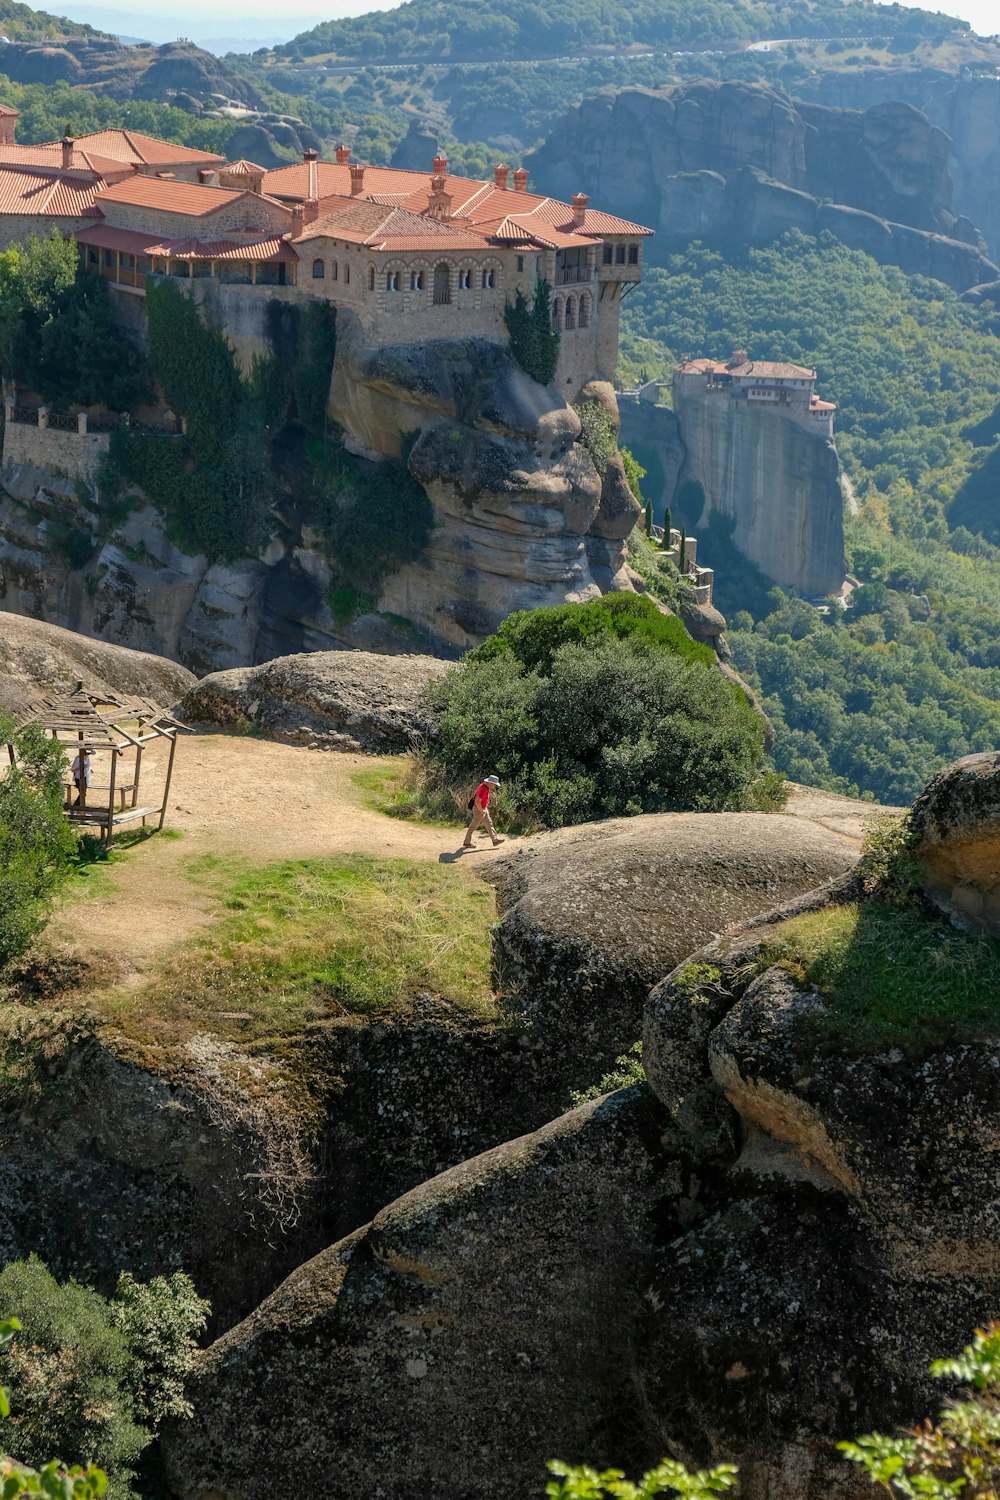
[[628, 1069], [959, 1454], [594, 710], [54, 1481], [96, 1375], [580, 1482], [36, 842]]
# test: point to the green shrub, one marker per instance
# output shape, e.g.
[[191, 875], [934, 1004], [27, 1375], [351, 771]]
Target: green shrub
[[628, 1069], [36, 842], [580, 1482], [94, 1377], [534, 343], [595, 710], [55, 1481], [957, 1455], [597, 434]]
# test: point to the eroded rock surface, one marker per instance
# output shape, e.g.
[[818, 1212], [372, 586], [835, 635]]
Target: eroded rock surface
[[744, 161], [35, 656], [593, 916], [343, 700], [750, 1259], [956, 826]]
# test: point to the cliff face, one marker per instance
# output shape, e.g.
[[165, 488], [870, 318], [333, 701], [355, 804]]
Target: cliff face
[[778, 482], [521, 518], [967, 109], [743, 161]]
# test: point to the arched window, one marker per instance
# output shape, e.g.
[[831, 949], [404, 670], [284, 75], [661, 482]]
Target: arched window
[[557, 313], [442, 283], [371, 278], [416, 281], [392, 281], [489, 279], [319, 270], [583, 321], [465, 280], [570, 312]]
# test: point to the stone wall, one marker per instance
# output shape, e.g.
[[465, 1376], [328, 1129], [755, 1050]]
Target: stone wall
[[247, 212], [74, 455]]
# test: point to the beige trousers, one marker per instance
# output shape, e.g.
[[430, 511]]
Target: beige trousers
[[479, 815]]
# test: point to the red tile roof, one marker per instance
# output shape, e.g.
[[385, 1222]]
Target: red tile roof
[[142, 150], [23, 191], [50, 158], [473, 203], [193, 199], [243, 168], [133, 242], [384, 227], [769, 369]]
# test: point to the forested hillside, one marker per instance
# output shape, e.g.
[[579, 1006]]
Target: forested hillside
[[463, 29], [876, 700], [19, 23]]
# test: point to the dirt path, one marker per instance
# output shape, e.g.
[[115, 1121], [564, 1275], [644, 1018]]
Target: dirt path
[[241, 799], [253, 800]]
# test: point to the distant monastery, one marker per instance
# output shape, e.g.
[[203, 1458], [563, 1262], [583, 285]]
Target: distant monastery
[[415, 256]]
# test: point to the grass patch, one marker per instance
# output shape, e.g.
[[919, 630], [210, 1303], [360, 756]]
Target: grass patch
[[393, 787], [891, 976], [308, 940]]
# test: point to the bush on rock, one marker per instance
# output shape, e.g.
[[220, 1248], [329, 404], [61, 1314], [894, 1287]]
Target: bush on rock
[[595, 710]]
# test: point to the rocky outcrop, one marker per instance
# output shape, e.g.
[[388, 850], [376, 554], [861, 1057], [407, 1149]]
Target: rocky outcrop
[[752, 1259], [744, 162], [966, 107], [591, 917], [36, 657], [956, 833], [778, 482], [518, 504], [125, 72], [342, 700]]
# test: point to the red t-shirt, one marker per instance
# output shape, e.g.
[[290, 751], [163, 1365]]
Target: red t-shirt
[[483, 794]]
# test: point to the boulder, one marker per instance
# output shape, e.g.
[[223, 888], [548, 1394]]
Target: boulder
[[956, 828], [479, 1325], [341, 700], [36, 657], [593, 916]]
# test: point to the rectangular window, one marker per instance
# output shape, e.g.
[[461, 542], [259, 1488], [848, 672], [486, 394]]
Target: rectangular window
[[633, 255], [607, 254], [619, 255], [333, 270], [347, 273], [520, 262]]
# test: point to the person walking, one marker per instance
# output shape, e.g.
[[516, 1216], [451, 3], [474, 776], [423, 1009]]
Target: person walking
[[481, 812]]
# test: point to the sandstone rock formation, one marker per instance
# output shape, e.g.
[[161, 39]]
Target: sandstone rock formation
[[521, 518], [519, 508], [752, 1258], [343, 700], [35, 656], [743, 161], [591, 917], [956, 831]]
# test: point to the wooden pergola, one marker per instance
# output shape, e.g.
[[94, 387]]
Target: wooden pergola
[[114, 729]]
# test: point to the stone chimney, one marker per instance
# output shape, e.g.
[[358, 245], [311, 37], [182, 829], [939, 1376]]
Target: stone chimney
[[357, 178], [343, 155], [579, 202], [67, 143], [440, 165], [738, 357], [298, 219], [310, 211], [439, 202], [500, 173], [520, 179]]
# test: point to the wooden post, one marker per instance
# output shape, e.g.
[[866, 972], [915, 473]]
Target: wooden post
[[170, 772], [111, 800], [135, 780]]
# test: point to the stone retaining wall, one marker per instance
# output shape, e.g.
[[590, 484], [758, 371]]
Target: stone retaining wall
[[74, 454]]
